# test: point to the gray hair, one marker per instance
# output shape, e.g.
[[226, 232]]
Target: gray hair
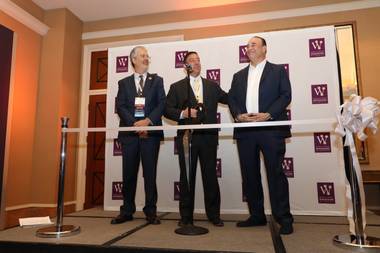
[[134, 53]]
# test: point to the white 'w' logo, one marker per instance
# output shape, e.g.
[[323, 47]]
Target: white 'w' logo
[[244, 50], [286, 164], [322, 139], [326, 189], [118, 187], [317, 44], [181, 56], [320, 90], [213, 75], [117, 145], [122, 61]]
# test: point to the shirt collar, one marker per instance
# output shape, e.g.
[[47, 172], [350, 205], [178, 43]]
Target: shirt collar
[[192, 78], [137, 75], [258, 66]]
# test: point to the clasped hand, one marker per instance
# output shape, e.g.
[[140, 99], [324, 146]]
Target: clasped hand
[[193, 112], [142, 123], [253, 117]]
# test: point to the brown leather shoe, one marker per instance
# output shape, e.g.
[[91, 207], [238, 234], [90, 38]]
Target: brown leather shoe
[[121, 218]]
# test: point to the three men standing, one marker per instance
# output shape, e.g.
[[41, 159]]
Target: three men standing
[[259, 92]]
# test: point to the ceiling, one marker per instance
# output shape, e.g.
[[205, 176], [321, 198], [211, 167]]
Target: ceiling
[[91, 10]]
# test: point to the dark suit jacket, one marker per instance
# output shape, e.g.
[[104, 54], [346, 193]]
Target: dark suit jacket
[[275, 95], [154, 94], [176, 101]]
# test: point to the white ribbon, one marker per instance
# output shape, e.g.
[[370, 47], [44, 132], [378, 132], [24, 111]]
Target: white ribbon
[[354, 116], [312, 122]]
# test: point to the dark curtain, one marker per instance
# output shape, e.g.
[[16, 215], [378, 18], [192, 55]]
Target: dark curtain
[[6, 44]]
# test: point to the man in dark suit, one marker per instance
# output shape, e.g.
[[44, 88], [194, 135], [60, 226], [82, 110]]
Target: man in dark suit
[[140, 102], [262, 92], [204, 98]]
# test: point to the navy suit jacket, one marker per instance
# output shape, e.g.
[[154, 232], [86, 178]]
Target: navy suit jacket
[[154, 94], [275, 95]]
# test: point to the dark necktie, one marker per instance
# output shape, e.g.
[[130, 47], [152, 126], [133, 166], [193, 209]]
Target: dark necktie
[[141, 85]]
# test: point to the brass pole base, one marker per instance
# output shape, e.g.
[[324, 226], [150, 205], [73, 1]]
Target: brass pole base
[[56, 231], [370, 244]]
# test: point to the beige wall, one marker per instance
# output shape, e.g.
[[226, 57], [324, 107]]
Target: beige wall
[[366, 22], [25, 87], [46, 86], [58, 96], [46, 146], [69, 105]]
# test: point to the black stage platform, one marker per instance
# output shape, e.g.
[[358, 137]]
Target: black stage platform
[[312, 234]]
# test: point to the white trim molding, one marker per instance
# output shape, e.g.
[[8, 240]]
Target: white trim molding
[[25, 18], [231, 20], [33, 205]]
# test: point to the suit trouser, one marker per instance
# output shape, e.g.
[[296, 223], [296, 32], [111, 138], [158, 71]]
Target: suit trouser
[[203, 147], [134, 149], [272, 145]]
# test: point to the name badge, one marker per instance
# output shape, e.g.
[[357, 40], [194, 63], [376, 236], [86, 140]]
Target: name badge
[[139, 107]]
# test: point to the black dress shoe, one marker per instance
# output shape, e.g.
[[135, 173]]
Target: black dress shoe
[[185, 222], [154, 220], [217, 222], [252, 222], [286, 229], [121, 218]]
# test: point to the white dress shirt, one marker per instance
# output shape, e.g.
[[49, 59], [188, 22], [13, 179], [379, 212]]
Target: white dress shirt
[[197, 92], [254, 77], [137, 80], [200, 91]]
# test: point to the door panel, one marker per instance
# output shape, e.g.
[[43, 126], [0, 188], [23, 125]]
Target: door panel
[[95, 152]]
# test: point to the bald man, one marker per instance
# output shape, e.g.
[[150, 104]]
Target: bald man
[[261, 92]]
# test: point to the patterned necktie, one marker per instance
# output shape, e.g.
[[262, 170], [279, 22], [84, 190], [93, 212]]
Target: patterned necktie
[[141, 85], [197, 90]]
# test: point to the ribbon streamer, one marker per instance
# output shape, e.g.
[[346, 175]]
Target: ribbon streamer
[[312, 122], [354, 116]]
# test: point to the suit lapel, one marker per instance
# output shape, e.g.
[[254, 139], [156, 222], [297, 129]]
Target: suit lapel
[[132, 85], [265, 72], [245, 84], [148, 84], [193, 100], [205, 90]]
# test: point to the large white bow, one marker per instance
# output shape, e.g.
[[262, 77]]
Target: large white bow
[[354, 116]]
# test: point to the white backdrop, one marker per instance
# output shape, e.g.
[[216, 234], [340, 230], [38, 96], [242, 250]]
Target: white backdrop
[[314, 160]]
